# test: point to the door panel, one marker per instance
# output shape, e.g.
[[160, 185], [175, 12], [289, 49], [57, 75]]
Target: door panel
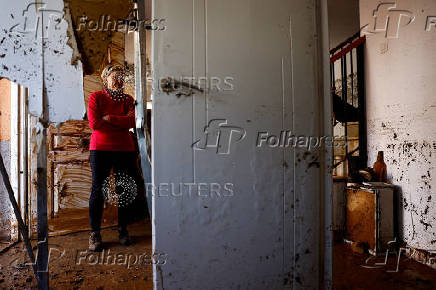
[[264, 230]]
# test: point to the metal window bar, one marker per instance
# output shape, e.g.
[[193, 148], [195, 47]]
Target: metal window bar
[[344, 97], [356, 67], [352, 77]]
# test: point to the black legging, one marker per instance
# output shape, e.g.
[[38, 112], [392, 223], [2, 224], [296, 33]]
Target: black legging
[[123, 162]]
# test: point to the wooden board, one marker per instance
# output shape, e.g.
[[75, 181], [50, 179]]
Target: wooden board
[[361, 217], [5, 110], [69, 179]]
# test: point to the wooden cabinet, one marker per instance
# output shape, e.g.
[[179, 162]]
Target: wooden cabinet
[[370, 215]]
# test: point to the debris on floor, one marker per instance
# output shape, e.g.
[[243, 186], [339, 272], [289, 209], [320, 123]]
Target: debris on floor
[[352, 270], [72, 266]]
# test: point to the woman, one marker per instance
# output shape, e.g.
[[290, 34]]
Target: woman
[[111, 114]]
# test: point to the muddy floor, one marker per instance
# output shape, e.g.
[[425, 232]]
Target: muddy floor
[[73, 267], [353, 271]]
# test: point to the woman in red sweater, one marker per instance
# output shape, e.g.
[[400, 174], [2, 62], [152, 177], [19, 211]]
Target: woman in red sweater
[[111, 114]]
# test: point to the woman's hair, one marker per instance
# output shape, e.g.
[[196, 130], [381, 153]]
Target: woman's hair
[[109, 69]]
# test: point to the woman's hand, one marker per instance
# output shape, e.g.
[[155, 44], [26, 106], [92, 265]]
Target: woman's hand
[[106, 118]]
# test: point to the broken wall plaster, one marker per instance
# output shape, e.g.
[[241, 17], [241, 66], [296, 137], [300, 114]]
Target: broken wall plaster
[[76, 56], [24, 60]]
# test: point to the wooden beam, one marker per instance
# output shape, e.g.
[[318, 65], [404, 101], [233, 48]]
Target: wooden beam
[[15, 145]]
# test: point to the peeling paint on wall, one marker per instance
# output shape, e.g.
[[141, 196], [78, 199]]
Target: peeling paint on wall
[[71, 37]]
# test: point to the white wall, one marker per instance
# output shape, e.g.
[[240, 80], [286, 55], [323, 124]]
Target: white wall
[[401, 111], [21, 59]]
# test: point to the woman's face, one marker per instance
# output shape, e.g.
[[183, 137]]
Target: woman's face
[[115, 80]]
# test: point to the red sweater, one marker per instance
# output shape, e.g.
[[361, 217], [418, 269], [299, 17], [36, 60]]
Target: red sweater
[[111, 135]]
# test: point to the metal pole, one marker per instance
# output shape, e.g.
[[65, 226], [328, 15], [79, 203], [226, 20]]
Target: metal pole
[[141, 98], [26, 154], [41, 138], [363, 154], [21, 226], [326, 154]]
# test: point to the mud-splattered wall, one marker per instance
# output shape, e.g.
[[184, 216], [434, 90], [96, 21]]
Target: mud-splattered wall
[[401, 109], [32, 54], [62, 60], [22, 60]]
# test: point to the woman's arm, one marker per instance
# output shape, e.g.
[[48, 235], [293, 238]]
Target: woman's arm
[[96, 121], [127, 121]]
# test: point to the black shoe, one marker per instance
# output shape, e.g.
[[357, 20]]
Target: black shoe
[[124, 237]]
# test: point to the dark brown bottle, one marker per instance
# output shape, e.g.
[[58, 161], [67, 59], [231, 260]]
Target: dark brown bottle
[[380, 170]]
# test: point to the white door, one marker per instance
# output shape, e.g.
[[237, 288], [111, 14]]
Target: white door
[[229, 213]]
